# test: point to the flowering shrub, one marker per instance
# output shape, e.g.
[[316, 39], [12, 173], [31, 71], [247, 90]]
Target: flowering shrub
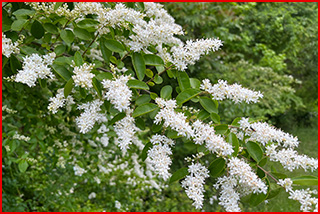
[[95, 103]]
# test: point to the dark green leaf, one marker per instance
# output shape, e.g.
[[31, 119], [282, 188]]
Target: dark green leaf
[[221, 129], [215, 117], [203, 114], [183, 80], [140, 123], [179, 174], [235, 122], [88, 24], [156, 127], [60, 49], [97, 86], [255, 151], [274, 190], [82, 33], [51, 28], [139, 65], [114, 45], [68, 88], [154, 60], [166, 92], [106, 53], [305, 180], [186, 95], [67, 36], [144, 98], [23, 165], [209, 105], [144, 109], [37, 30], [105, 75], [232, 138], [137, 84], [144, 152], [43, 83], [216, 167], [116, 118], [279, 175], [62, 71], [78, 59], [15, 64]]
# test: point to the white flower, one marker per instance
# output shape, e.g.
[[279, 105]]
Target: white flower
[[118, 93], [20, 137], [8, 47], [59, 101], [90, 116], [78, 170], [214, 143], [34, 67], [92, 195], [235, 92], [117, 204], [172, 119], [194, 182], [264, 133], [158, 155], [83, 77]]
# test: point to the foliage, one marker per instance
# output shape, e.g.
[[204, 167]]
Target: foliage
[[93, 111]]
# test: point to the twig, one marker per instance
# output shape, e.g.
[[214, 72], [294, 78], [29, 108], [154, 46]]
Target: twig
[[160, 73], [90, 44]]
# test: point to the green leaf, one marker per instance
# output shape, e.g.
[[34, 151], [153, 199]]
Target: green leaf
[[215, 117], [216, 167], [186, 95], [166, 92], [88, 24], [149, 73], [37, 30], [221, 129], [305, 180], [140, 123], [255, 151], [62, 71], [179, 174], [140, 5], [235, 122], [23, 165], [114, 45], [232, 139], [203, 114], [274, 190], [144, 109], [116, 118], [105, 75], [17, 25], [24, 12], [60, 49], [144, 98], [257, 198], [157, 79], [43, 83], [139, 65], [195, 83], [57, 5], [68, 88], [78, 59], [144, 152], [67, 36], [153, 95], [15, 64], [151, 59], [209, 105], [51, 28], [97, 86], [137, 84], [279, 175], [82, 33], [156, 127], [106, 53], [183, 80]]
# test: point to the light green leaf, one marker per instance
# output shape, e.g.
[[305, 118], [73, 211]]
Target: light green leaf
[[157, 79], [114, 45], [24, 12], [179, 174], [139, 65], [144, 109], [88, 24], [232, 139], [255, 151], [67, 36], [23, 165], [209, 105], [106, 53], [60, 49], [137, 84], [221, 129], [186, 95], [151, 59], [105, 75], [203, 114], [183, 80], [195, 83], [215, 117], [17, 25], [97, 86], [216, 167], [305, 180], [82, 33], [78, 59], [62, 71], [144, 98], [51, 28], [166, 92], [68, 88]]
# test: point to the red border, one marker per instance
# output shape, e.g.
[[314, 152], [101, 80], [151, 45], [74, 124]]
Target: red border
[[153, 1]]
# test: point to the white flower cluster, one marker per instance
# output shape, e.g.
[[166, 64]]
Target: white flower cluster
[[8, 110], [229, 197], [304, 196], [125, 129], [243, 173], [290, 159], [90, 116], [194, 182], [240, 174], [158, 155], [8, 47], [17, 136], [59, 101], [78, 170], [235, 92], [118, 93], [104, 139], [264, 133], [172, 119], [34, 67], [214, 143], [83, 77], [92, 195], [188, 54]]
